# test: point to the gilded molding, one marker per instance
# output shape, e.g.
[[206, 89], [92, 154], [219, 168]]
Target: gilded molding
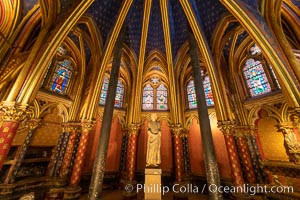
[[255, 29], [207, 56], [108, 52], [40, 59], [12, 111], [136, 101], [165, 20]]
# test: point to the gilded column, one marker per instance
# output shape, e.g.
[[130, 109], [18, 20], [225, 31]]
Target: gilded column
[[132, 135], [73, 191], [227, 128], [70, 150], [33, 124], [12, 114], [244, 154], [131, 151], [178, 152], [80, 156], [291, 142]]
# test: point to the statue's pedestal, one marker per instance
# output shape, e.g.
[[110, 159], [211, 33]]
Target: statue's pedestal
[[152, 187]]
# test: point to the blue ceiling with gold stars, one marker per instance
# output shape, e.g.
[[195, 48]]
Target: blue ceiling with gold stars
[[209, 13], [106, 11], [155, 39], [178, 26], [134, 26]]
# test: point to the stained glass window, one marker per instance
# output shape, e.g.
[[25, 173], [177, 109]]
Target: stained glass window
[[208, 92], [61, 51], [61, 77], [161, 98], [148, 97], [255, 50], [119, 95], [191, 94], [256, 78], [104, 89], [155, 80]]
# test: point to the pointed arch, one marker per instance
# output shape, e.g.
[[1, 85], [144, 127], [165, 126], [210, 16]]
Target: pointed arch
[[257, 28]]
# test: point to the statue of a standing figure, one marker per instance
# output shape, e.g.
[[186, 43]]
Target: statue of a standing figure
[[153, 145]]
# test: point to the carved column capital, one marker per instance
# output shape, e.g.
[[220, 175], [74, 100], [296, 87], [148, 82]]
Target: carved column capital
[[285, 127], [34, 123], [184, 133], [226, 127], [295, 117], [251, 130], [133, 129], [176, 129], [71, 126], [87, 125], [12, 111], [240, 131]]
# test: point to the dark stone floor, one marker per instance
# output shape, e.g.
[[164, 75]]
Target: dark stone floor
[[117, 195]]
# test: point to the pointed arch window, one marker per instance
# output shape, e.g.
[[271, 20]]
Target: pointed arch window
[[60, 80], [161, 98], [208, 92], [119, 93], [148, 94], [256, 78], [104, 89], [254, 50], [191, 93]]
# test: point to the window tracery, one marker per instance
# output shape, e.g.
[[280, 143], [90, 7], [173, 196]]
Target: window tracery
[[59, 73], [155, 95], [148, 94], [162, 98], [255, 74]]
